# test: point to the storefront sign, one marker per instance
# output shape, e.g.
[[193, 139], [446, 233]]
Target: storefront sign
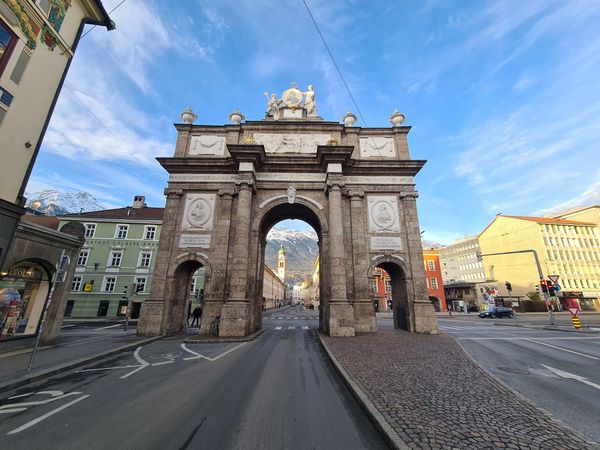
[[24, 273]]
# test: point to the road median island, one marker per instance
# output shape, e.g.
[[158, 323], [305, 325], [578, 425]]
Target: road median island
[[432, 394], [43, 374]]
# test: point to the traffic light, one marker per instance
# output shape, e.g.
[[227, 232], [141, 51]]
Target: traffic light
[[478, 254], [508, 286], [543, 286], [125, 292], [550, 287]]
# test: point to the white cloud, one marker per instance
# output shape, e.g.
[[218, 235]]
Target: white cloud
[[591, 196]]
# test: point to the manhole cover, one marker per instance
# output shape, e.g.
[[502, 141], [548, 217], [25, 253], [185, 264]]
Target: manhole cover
[[514, 370]]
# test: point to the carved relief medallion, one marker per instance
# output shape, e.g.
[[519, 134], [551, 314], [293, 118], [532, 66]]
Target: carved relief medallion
[[373, 146], [207, 145], [292, 98], [198, 213], [383, 214]]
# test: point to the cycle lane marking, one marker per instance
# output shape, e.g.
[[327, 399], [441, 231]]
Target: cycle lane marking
[[208, 358]]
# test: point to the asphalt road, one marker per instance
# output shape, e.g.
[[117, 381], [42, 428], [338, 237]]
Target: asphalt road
[[559, 371], [278, 391]]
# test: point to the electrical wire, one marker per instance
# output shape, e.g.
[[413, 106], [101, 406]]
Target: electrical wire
[[94, 26], [335, 63]]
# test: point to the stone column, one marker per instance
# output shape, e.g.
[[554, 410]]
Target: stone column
[[422, 318], [154, 314], [235, 318], [214, 291], [341, 314], [364, 313]]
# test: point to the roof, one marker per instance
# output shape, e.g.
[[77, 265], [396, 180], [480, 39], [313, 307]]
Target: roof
[[45, 221], [127, 213], [577, 209], [551, 220], [546, 220], [106, 20]]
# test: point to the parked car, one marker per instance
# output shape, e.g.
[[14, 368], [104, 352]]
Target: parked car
[[497, 311]]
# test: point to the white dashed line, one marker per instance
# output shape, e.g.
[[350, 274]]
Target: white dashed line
[[304, 327], [278, 328], [291, 328]]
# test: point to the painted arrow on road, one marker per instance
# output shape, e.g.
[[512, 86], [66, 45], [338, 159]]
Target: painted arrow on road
[[572, 376]]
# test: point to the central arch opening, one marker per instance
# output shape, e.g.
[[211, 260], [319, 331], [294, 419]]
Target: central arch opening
[[289, 270]]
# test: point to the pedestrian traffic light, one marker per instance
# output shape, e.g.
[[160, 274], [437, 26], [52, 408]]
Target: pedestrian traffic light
[[550, 287], [543, 286], [508, 286]]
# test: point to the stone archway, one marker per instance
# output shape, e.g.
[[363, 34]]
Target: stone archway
[[274, 210], [227, 183]]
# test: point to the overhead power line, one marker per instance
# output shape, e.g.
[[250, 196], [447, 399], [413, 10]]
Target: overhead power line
[[94, 26], [335, 63]]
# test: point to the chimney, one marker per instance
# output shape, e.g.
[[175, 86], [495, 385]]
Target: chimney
[[139, 201]]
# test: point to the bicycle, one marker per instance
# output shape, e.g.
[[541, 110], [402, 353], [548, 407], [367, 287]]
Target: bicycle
[[214, 326]]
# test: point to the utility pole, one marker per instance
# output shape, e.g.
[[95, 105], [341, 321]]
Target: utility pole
[[540, 273]]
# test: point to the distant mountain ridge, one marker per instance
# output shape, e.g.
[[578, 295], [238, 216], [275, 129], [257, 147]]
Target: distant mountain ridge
[[301, 249], [53, 202]]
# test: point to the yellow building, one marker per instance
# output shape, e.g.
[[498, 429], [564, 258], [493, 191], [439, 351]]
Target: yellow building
[[273, 289], [584, 214], [567, 248]]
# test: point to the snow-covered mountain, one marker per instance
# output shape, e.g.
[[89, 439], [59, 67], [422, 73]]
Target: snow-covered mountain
[[430, 244], [301, 249], [54, 203]]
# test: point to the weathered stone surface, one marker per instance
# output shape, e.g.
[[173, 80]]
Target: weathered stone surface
[[245, 184]]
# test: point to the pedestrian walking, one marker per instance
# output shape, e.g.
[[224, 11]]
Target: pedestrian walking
[[189, 315], [197, 314]]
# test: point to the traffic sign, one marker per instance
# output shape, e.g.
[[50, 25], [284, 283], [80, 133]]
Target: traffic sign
[[576, 322], [556, 287], [554, 278], [574, 310]]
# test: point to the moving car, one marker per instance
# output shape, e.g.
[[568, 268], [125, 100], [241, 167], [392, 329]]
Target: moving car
[[497, 311]]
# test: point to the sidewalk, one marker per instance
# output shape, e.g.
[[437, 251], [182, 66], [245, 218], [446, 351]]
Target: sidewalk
[[72, 349], [402, 380]]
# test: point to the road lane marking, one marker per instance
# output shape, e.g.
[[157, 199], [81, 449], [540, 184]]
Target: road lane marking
[[563, 374], [163, 363], [563, 349], [48, 414], [513, 338], [110, 326], [208, 358], [291, 328], [18, 407], [138, 358], [304, 327], [278, 328]]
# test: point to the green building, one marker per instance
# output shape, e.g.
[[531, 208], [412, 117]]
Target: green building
[[117, 260]]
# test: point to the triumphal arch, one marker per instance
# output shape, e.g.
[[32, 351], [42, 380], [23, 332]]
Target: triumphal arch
[[230, 184]]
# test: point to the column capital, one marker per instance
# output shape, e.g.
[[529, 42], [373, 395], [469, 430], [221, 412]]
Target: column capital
[[411, 194], [356, 194], [227, 193], [170, 193]]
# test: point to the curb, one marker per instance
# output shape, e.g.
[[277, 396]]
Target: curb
[[547, 327], [384, 428], [47, 373], [202, 339], [522, 397]]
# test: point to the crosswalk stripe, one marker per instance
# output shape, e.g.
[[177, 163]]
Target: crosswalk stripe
[[278, 328], [304, 327], [291, 328]]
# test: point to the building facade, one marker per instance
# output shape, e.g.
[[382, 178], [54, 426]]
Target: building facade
[[567, 248], [435, 284], [459, 261], [37, 42], [230, 184], [119, 253], [583, 214], [274, 289]]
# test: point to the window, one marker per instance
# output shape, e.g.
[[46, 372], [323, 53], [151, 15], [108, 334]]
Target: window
[[122, 231], [115, 258], [431, 265], [76, 284], [8, 41], [374, 286], [145, 259], [90, 230], [388, 286], [140, 284], [109, 284], [83, 257], [150, 232], [434, 283]]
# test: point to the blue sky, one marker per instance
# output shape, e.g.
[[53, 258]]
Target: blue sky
[[503, 96]]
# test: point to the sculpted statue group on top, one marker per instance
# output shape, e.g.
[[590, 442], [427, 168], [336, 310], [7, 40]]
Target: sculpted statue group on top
[[293, 99]]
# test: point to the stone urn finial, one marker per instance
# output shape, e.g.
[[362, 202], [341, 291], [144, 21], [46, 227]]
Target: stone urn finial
[[236, 117], [188, 116], [397, 118], [349, 119]]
